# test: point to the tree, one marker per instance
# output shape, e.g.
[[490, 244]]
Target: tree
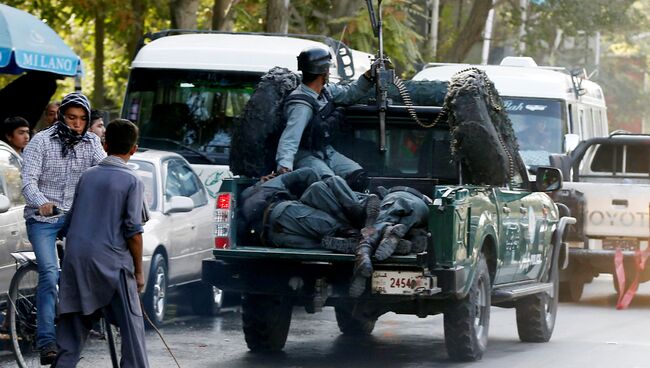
[[183, 13], [223, 12], [401, 38], [98, 62], [277, 16]]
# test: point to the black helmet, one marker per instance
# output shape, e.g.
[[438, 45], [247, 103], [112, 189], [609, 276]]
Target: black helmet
[[314, 60]]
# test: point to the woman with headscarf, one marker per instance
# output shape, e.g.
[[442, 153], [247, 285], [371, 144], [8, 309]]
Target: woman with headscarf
[[53, 161]]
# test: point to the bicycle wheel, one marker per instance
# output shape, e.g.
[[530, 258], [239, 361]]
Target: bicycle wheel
[[21, 312], [114, 342]]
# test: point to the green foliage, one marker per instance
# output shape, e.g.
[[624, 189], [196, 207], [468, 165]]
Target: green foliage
[[401, 39], [618, 22], [622, 81]]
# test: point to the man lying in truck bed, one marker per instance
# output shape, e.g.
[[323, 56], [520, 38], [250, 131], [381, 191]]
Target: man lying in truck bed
[[298, 210]]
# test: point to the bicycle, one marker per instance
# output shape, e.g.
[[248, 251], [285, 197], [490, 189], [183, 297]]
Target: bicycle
[[21, 314]]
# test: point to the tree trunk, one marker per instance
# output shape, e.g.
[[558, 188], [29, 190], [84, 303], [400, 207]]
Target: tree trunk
[[98, 62], [344, 8], [277, 16], [470, 33], [138, 10], [431, 41], [222, 14], [183, 13]]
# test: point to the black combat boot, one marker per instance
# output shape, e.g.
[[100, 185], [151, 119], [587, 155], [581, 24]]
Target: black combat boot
[[371, 209], [340, 244], [363, 263], [419, 240], [365, 213], [391, 238], [403, 247]]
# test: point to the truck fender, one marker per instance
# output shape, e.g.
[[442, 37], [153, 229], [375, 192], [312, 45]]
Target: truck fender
[[559, 244], [482, 242]]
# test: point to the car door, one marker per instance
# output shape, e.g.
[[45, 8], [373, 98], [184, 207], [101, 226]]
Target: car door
[[13, 235], [187, 247], [508, 204], [513, 228], [532, 250]]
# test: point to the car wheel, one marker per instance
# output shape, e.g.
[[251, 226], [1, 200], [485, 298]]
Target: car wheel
[[536, 313], [354, 325], [155, 296], [206, 299], [467, 321], [266, 321]]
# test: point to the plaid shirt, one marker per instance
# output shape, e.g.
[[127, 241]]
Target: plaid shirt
[[49, 177]]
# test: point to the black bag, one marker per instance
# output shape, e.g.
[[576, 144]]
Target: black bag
[[258, 129]]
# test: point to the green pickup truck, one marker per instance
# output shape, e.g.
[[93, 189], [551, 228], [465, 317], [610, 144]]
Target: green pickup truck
[[488, 246]]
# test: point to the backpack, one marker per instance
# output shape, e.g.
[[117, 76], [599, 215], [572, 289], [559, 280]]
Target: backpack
[[257, 130]]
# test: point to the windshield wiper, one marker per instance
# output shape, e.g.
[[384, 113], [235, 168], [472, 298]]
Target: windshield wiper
[[181, 145]]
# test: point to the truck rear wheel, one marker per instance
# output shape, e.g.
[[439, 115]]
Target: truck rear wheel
[[536, 314], [571, 290], [468, 320], [353, 325], [206, 300], [266, 321]]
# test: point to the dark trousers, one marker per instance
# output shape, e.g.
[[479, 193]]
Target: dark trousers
[[124, 311], [334, 197]]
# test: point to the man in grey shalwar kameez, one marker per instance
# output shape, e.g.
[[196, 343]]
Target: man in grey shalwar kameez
[[102, 268]]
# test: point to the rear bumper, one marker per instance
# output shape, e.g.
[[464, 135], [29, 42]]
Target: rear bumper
[[600, 261], [271, 272]]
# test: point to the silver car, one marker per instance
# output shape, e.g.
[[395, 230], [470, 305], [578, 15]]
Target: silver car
[[13, 234], [176, 238], [179, 235]]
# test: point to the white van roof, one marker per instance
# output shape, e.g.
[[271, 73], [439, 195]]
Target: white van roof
[[521, 81], [232, 52]]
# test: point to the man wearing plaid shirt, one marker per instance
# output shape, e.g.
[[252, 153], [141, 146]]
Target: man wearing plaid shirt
[[53, 161]]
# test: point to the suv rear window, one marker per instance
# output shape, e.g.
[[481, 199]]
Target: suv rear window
[[622, 159]]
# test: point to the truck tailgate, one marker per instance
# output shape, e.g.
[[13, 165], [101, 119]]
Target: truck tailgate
[[615, 210], [309, 255]]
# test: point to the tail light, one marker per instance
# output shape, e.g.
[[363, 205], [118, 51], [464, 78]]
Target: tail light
[[222, 216]]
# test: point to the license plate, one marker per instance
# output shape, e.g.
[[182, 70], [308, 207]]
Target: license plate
[[623, 243], [399, 282]]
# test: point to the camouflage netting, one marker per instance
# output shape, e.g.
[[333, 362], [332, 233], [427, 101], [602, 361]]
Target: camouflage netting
[[423, 93], [257, 131], [483, 139]]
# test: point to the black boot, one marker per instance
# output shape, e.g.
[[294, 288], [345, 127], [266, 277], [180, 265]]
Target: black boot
[[371, 210], [391, 238], [340, 244], [362, 264], [403, 247]]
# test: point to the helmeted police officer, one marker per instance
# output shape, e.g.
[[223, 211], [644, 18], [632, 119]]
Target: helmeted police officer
[[310, 111]]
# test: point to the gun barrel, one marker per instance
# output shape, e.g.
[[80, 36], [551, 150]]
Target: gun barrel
[[382, 130], [373, 18]]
